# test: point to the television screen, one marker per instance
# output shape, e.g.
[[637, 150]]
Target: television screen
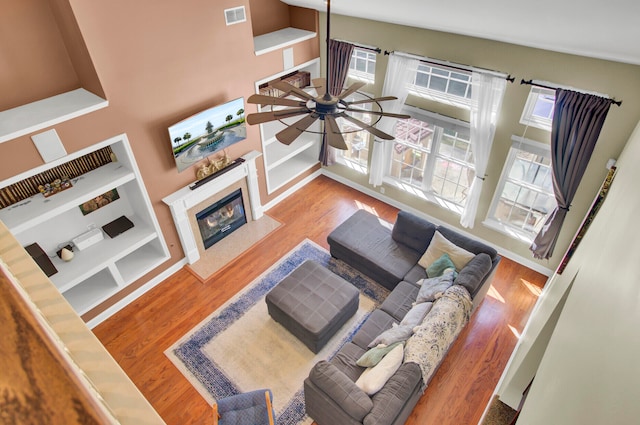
[[203, 134]]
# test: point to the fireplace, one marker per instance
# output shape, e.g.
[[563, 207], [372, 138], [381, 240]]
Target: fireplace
[[221, 218]]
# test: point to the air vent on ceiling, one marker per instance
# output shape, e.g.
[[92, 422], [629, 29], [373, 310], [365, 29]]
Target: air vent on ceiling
[[235, 15]]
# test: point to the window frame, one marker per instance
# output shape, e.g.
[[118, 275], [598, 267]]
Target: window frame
[[527, 117], [365, 76], [443, 96], [533, 147], [359, 166], [441, 123]]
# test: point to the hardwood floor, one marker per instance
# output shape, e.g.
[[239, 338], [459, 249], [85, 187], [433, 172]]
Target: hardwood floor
[[138, 335]]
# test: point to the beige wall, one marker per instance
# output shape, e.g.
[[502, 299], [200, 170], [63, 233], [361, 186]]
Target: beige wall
[[588, 374], [618, 80], [158, 62]]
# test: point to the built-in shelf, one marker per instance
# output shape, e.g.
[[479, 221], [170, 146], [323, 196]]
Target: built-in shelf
[[98, 271], [278, 39], [44, 113], [283, 163]]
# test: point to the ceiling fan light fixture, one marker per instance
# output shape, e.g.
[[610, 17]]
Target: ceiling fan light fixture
[[323, 106]]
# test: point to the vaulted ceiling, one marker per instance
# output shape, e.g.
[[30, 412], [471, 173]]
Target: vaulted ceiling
[[594, 28]]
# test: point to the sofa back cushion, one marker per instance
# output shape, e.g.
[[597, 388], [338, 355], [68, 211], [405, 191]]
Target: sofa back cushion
[[466, 243], [342, 390], [413, 231], [472, 275]]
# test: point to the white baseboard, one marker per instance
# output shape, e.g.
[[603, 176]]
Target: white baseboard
[[135, 294], [377, 195]]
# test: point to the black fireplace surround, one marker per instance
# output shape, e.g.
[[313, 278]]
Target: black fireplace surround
[[222, 218]]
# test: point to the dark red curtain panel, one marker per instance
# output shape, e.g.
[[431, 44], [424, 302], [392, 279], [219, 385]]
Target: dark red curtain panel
[[339, 56], [577, 121]]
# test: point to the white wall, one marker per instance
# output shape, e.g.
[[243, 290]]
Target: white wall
[[589, 372]]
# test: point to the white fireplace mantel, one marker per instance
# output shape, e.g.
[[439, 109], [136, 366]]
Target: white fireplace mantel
[[181, 201]]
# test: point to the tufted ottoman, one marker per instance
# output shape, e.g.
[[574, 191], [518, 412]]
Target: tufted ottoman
[[312, 303]]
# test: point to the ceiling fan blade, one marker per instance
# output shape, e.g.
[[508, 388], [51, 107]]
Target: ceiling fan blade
[[291, 133], [334, 137], [262, 117], [320, 85], [260, 99], [289, 88], [352, 89], [291, 112], [375, 99], [378, 133], [381, 113]]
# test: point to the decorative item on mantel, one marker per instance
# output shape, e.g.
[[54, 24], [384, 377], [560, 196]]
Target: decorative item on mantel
[[218, 163]]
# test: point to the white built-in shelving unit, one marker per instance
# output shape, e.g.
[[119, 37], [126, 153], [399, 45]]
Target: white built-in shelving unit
[[44, 113], [283, 163], [108, 266], [280, 39]]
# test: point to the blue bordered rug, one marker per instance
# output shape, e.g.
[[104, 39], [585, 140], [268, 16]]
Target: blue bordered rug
[[227, 352]]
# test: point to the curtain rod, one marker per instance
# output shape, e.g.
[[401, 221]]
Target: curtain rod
[[545, 85], [361, 46], [460, 67]]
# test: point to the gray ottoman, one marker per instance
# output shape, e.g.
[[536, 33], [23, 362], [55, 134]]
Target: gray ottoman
[[312, 303]]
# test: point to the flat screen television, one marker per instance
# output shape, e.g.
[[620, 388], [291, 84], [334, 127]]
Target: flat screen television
[[205, 133]]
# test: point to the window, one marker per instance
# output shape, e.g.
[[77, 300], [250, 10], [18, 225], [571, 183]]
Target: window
[[524, 195], [443, 84], [363, 65], [357, 140], [538, 111], [432, 155]]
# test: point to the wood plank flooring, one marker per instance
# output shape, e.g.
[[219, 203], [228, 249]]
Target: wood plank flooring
[[138, 335]]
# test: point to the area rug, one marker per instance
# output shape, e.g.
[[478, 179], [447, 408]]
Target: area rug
[[240, 348]]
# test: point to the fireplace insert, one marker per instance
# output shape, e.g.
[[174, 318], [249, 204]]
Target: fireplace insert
[[221, 218]]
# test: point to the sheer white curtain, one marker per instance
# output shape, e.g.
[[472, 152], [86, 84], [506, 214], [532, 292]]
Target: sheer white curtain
[[401, 71], [486, 94]]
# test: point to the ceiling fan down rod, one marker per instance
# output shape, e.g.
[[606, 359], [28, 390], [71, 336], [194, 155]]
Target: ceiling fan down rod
[[327, 93]]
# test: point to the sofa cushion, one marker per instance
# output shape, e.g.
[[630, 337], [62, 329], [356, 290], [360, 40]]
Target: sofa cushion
[[413, 231], [341, 389], [438, 267], [373, 379], [345, 360], [392, 335], [416, 273], [471, 245], [364, 241], [440, 245], [377, 322], [375, 354], [400, 300], [417, 313], [472, 274], [431, 288], [389, 401]]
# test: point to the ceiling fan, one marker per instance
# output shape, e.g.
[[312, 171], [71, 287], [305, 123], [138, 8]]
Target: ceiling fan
[[323, 106]]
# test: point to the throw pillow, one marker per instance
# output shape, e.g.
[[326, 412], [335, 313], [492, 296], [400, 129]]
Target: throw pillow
[[440, 245], [432, 287], [415, 316], [373, 356], [438, 267], [394, 334], [373, 379]]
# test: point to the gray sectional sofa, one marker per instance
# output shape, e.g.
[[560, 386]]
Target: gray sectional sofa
[[390, 254]]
